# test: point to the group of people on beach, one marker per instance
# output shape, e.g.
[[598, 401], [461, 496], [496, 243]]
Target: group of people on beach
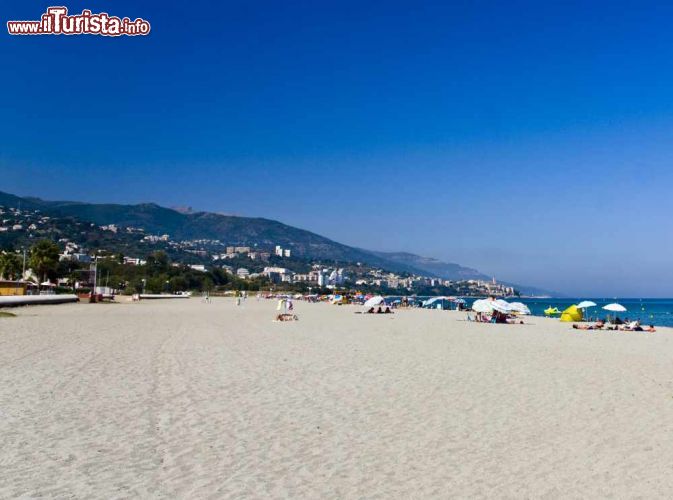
[[494, 317], [617, 325], [380, 310]]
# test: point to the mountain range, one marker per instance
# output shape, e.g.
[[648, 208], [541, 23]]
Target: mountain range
[[183, 224]]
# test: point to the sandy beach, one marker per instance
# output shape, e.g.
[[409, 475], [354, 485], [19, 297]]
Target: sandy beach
[[182, 399]]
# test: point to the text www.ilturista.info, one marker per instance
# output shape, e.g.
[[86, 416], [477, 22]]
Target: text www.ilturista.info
[[56, 21]]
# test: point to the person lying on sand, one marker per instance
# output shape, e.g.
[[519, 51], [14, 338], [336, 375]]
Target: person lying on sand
[[598, 326], [514, 321], [287, 317], [638, 328]]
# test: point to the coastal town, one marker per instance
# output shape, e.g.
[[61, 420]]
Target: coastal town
[[84, 248]]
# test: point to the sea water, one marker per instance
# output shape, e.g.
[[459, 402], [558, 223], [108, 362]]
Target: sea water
[[658, 312]]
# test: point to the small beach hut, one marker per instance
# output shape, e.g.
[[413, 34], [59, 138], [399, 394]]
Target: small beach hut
[[571, 314]]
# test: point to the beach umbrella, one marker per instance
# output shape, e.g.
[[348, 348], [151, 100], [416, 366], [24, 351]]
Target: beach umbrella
[[431, 301], [374, 301], [586, 304], [519, 307], [501, 306], [614, 307], [482, 306]]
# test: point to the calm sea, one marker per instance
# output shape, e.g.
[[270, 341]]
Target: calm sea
[[658, 312], [649, 311]]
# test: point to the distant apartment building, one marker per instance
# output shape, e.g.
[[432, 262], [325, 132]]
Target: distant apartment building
[[133, 261], [75, 257], [310, 277], [198, 267], [155, 239], [278, 274], [283, 252], [242, 272]]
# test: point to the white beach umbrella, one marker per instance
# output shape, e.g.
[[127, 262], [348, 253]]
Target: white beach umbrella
[[433, 300], [501, 306], [374, 301], [614, 307], [519, 307], [482, 306], [586, 304]]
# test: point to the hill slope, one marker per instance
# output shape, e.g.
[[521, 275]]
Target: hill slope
[[181, 225]]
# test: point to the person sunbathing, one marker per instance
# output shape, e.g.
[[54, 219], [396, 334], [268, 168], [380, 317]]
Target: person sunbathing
[[598, 326], [633, 326], [287, 317]]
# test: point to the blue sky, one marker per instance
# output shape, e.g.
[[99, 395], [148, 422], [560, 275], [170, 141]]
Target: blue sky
[[531, 140]]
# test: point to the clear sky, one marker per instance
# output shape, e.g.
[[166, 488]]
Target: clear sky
[[530, 140]]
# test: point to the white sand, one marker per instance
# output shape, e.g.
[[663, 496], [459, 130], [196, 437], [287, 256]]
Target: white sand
[[185, 399]]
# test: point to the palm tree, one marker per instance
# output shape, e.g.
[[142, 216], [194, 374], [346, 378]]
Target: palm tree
[[10, 266], [44, 258]]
